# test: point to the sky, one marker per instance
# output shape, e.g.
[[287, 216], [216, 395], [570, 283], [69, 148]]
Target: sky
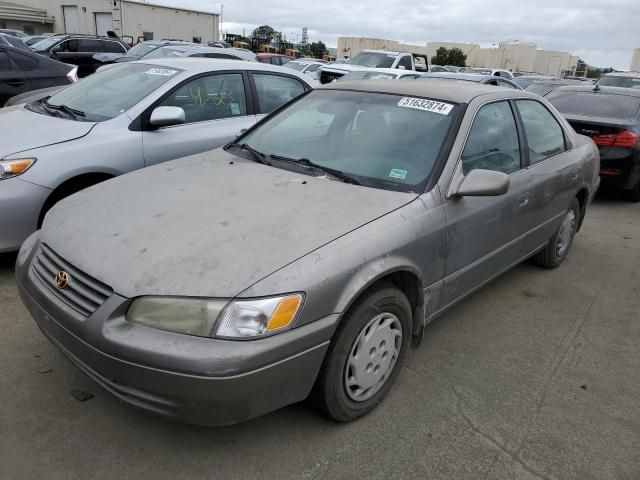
[[602, 32]]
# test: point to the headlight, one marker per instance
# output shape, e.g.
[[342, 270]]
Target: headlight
[[262, 317], [198, 316], [193, 316], [11, 168]]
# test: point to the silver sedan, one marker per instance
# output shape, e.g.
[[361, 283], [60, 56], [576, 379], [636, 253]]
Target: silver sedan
[[304, 257], [127, 117]]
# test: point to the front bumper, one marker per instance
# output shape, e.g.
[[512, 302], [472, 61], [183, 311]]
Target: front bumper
[[21, 203], [191, 379]]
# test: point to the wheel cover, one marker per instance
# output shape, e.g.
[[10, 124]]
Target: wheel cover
[[373, 357], [565, 235]]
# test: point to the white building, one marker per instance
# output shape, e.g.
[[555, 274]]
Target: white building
[[635, 61], [132, 18], [512, 55]]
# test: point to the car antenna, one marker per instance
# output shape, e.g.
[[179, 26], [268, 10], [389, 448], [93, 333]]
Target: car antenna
[[596, 88]]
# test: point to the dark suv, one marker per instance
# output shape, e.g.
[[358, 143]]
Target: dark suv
[[79, 50]]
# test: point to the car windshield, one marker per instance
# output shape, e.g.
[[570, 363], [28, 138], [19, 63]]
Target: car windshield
[[595, 104], [380, 140], [523, 82], [141, 49], [107, 94], [368, 76], [615, 81], [373, 59], [295, 66], [543, 88], [166, 52], [45, 44]]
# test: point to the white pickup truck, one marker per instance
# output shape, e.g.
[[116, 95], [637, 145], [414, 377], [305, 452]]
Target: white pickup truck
[[372, 59]]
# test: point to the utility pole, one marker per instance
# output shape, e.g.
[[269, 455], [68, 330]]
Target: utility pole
[[221, 10]]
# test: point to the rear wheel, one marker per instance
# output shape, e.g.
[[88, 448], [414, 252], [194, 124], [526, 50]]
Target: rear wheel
[[632, 195], [559, 245], [365, 355]]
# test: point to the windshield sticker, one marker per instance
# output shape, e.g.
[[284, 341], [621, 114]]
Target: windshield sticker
[[425, 105], [160, 71], [235, 108], [397, 173]]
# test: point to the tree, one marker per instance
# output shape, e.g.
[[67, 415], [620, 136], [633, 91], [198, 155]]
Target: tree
[[446, 56], [265, 33], [318, 49]]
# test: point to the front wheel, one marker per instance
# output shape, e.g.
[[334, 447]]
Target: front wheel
[[365, 355], [559, 245]]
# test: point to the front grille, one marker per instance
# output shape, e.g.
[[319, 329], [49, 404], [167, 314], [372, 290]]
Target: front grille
[[328, 77], [83, 293]]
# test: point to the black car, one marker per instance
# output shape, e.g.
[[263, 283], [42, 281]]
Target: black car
[[80, 50], [611, 117], [11, 41], [544, 87], [22, 71]]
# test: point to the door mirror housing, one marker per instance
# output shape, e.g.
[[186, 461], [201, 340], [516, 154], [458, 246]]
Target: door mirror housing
[[167, 116], [482, 183]]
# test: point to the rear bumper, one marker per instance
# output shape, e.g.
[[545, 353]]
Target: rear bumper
[[21, 205], [190, 379]]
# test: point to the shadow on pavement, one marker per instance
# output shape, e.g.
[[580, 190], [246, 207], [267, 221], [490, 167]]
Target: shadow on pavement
[[7, 260]]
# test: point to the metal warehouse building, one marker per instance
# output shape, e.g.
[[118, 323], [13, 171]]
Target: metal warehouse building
[[125, 17]]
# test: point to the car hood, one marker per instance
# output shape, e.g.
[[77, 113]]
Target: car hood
[[108, 57], [18, 125], [209, 225]]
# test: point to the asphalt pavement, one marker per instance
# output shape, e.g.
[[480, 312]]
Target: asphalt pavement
[[536, 376]]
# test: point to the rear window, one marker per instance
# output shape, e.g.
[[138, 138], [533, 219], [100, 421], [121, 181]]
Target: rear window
[[595, 104], [613, 81]]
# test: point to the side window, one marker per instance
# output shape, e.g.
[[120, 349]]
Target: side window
[[406, 63], [275, 90], [493, 141], [545, 136], [284, 60], [312, 68], [69, 46], [24, 62], [113, 47], [88, 46], [210, 98], [5, 64], [274, 61]]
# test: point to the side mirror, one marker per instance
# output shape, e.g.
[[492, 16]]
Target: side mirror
[[241, 132], [167, 116], [482, 183]]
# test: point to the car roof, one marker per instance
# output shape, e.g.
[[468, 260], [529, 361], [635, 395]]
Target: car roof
[[469, 77], [388, 52], [269, 55], [202, 65], [437, 88], [622, 74], [629, 92]]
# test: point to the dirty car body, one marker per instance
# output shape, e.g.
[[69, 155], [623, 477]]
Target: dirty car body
[[351, 208]]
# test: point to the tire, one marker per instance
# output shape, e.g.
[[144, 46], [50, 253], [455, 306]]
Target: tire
[[373, 322], [632, 195], [559, 245]]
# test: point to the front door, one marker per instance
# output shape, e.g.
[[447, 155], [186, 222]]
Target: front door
[[485, 235], [215, 109]]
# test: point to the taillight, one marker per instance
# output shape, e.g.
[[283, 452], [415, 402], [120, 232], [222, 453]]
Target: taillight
[[624, 139], [72, 76]]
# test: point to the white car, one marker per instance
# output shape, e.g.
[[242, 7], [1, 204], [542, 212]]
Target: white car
[[494, 72], [380, 74], [126, 117], [309, 67]]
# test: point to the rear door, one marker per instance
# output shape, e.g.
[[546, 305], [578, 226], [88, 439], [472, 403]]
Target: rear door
[[13, 81], [555, 174], [217, 107]]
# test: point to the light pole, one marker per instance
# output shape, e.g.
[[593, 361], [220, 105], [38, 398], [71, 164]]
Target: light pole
[[221, 10]]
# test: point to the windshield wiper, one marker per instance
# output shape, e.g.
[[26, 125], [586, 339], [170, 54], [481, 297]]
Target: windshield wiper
[[305, 162], [66, 109], [255, 154]]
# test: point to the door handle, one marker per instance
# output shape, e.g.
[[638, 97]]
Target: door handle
[[523, 200], [15, 83]]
